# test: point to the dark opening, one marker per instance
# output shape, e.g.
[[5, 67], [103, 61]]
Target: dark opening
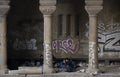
[[24, 33]]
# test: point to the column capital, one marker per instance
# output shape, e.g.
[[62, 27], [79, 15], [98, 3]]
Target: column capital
[[47, 7], [93, 7], [4, 7], [3, 10], [93, 10], [47, 2], [94, 2], [47, 10]]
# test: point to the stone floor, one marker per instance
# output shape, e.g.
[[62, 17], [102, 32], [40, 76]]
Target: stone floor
[[65, 75], [75, 75], [108, 71]]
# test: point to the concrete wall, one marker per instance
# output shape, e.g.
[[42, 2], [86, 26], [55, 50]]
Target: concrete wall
[[108, 30], [72, 8], [25, 30]]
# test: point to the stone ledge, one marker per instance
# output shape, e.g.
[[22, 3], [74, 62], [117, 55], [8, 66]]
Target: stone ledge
[[65, 74], [26, 70], [74, 75], [30, 70], [12, 75]]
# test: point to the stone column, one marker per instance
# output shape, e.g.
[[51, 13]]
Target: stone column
[[47, 7], [93, 7], [3, 47]]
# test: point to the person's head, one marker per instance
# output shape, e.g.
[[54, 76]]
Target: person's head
[[65, 60]]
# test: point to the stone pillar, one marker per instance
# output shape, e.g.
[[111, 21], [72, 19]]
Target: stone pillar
[[47, 7], [3, 47], [93, 7]]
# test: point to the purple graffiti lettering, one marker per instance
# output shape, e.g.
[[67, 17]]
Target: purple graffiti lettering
[[60, 44], [65, 45], [70, 42], [54, 44], [71, 47], [74, 49]]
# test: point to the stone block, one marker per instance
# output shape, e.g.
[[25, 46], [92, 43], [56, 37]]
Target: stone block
[[12, 75], [30, 70]]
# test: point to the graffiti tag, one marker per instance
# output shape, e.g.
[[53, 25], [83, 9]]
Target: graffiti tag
[[65, 45], [48, 55], [110, 41], [108, 36], [25, 44]]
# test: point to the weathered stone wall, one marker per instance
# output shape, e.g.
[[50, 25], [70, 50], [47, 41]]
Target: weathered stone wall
[[25, 30], [73, 46], [108, 30]]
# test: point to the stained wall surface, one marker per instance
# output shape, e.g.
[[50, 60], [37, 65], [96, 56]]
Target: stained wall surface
[[69, 30], [24, 32], [66, 44]]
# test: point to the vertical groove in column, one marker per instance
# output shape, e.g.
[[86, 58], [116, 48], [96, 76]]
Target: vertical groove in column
[[72, 26], [64, 26]]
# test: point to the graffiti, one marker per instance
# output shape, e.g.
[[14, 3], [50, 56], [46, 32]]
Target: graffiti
[[108, 27], [91, 46], [111, 41], [25, 44], [108, 36], [48, 54], [92, 54], [65, 45]]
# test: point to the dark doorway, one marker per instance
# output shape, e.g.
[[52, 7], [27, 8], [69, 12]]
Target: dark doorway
[[24, 32]]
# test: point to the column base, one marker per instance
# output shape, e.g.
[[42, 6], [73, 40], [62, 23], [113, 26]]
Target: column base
[[3, 71], [48, 70], [92, 71]]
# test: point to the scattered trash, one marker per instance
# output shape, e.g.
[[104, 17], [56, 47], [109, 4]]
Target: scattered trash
[[82, 70], [94, 73]]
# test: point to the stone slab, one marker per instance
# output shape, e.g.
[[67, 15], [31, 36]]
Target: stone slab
[[74, 75], [12, 76], [30, 70]]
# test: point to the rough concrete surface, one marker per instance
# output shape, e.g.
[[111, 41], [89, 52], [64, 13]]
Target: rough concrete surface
[[65, 74], [12, 75], [74, 75]]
